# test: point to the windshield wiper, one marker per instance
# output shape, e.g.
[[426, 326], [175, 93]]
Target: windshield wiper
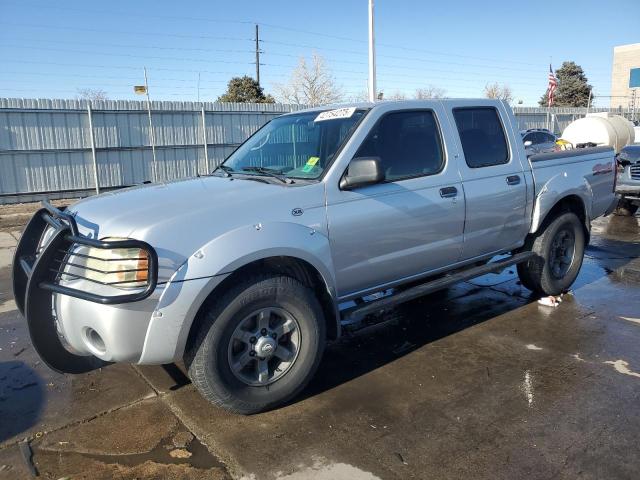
[[227, 171], [269, 172]]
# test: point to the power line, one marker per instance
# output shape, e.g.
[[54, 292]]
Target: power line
[[133, 46], [109, 77], [401, 47], [124, 67], [120, 13], [128, 55], [125, 32]]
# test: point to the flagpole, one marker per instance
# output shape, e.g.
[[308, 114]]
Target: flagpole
[[548, 114], [549, 94]]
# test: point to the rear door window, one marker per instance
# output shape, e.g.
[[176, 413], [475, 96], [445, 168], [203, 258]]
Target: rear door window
[[482, 136]]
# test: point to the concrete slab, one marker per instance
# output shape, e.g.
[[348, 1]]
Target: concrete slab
[[35, 399], [164, 378], [6, 257], [12, 464], [134, 429], [7, 303], [7, 240], [82, 467]]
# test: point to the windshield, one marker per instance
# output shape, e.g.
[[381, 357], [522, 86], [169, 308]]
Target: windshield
[[296, 146]]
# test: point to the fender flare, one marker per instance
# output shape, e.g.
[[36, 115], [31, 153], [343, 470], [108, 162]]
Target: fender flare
[[548, 198], [213, 262]]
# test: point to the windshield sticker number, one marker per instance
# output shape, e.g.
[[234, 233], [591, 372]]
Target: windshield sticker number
[[335, 114], [310, 164]]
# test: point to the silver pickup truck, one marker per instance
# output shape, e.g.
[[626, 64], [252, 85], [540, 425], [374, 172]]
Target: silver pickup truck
[[318, 223]]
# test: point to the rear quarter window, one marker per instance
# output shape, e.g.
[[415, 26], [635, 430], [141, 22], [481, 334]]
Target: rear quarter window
[[482, 136]]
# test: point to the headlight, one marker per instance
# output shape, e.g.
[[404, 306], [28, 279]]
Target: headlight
[[118, 267]]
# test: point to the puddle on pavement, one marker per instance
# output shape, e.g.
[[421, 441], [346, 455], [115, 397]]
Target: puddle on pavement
[[622, 367], [527, 387], [322, 470], [200, 457]]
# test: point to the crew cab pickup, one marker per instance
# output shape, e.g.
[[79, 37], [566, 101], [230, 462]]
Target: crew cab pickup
[[320, 221]]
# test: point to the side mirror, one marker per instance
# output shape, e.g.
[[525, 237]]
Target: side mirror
[[362, 171], [528, 143]]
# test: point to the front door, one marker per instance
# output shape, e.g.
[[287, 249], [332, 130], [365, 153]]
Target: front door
[[411, 223]]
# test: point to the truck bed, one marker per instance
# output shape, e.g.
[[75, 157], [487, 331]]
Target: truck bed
[[587, 173]]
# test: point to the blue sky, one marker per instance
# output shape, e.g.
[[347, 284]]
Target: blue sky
[[52, 49]]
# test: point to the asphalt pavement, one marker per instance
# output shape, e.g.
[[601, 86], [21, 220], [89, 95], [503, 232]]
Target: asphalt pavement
[[479, 381]]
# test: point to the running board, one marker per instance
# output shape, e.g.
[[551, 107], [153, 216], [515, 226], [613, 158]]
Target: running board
[[355, 314]]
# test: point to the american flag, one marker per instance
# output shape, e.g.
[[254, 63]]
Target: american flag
[[553, 84]]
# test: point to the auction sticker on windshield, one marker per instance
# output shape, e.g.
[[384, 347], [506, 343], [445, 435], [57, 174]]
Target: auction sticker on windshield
[[334, 114], [310, 164]]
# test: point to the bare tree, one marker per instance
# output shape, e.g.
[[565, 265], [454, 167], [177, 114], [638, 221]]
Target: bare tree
[[495, 90], [91, 94], [397, 95], [429, 92], [311, 83], [361, 96]]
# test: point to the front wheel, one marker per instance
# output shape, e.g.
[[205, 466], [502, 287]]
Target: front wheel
[[258, 345], [559, 246]]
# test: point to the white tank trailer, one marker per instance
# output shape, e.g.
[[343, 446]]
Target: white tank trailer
[[604, 129]]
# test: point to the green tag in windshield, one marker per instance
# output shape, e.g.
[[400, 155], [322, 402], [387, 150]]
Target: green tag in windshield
[[310, 164]]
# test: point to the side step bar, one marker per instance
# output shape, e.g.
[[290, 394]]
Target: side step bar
[[355, 314]]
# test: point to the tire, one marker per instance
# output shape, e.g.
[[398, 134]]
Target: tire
[[552, 272], [227, 337], [625, 208]]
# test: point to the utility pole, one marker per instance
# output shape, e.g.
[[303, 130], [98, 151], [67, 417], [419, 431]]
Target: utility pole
[[372, 56], [257, 54], [198, 86]]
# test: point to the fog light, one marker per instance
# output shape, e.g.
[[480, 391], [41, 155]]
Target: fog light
[[94, 341]]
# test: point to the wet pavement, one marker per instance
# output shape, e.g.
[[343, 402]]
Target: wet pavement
[[479, 381]]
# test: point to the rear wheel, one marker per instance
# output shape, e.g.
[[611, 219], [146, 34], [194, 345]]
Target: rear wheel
[[625, 208], [559, 246], [259, 344]]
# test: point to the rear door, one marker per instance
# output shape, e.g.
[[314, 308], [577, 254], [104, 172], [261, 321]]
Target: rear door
[[493, 178], [412, 222]]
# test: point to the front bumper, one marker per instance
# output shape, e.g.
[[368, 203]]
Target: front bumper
[[629, 181], [77, 324]]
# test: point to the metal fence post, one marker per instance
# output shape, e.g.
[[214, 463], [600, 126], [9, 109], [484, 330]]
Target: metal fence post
[[204, 140], [93, 149], [152, 135]]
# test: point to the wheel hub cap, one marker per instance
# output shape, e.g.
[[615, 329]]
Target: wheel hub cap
[[562, 253], [264, 346]]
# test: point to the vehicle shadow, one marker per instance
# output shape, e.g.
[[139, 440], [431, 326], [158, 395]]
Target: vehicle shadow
[[22, 398], [409, 327], [428, 319]]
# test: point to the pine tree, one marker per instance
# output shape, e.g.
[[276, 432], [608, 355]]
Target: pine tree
[[245, 90], [573, 87]]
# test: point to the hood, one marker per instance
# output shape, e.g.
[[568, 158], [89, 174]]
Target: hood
[[177, 218]]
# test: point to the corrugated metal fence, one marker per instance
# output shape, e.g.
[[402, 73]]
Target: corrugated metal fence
[[46, 145], [62, 148]]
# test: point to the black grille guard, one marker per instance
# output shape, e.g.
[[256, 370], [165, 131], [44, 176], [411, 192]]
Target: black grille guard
[[54, 257], [36, 276]]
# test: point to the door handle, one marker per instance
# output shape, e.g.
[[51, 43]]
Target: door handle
[[448, 192], [513, 179]]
